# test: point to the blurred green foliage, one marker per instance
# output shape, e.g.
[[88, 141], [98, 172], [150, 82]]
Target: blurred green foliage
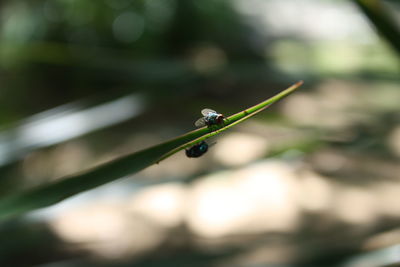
[[179, 56]]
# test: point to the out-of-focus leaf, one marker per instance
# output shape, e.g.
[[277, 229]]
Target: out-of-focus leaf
[[382, 20]]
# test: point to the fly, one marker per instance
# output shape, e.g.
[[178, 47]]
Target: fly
[[197, 150], [211, 117]]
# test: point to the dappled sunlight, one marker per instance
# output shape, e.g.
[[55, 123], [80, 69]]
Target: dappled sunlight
[[164, 204], [267, 197], [257, 198], [388, 198], [93, 223], [316, 193], [355, 206], [307, 114], [218, 210], [240, 148], [107, 230], [330, 161], [333, 105]]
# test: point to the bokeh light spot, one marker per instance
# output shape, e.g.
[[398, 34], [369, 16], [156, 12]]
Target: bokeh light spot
[[128, 27]]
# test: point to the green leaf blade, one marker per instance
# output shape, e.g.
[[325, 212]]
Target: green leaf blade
[[55, 192]]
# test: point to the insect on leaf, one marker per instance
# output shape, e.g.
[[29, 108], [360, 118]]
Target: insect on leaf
[[51, 193], [206, 111]]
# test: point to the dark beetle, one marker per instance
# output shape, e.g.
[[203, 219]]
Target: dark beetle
[[197, 150]]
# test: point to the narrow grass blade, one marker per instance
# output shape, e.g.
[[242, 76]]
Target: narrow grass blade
[[52, 193]]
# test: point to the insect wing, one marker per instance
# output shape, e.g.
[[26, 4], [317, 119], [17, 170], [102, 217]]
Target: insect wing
[[200, 122], [206, 111]]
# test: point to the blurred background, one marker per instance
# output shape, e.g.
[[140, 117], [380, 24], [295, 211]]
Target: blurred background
[[312, 181]]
